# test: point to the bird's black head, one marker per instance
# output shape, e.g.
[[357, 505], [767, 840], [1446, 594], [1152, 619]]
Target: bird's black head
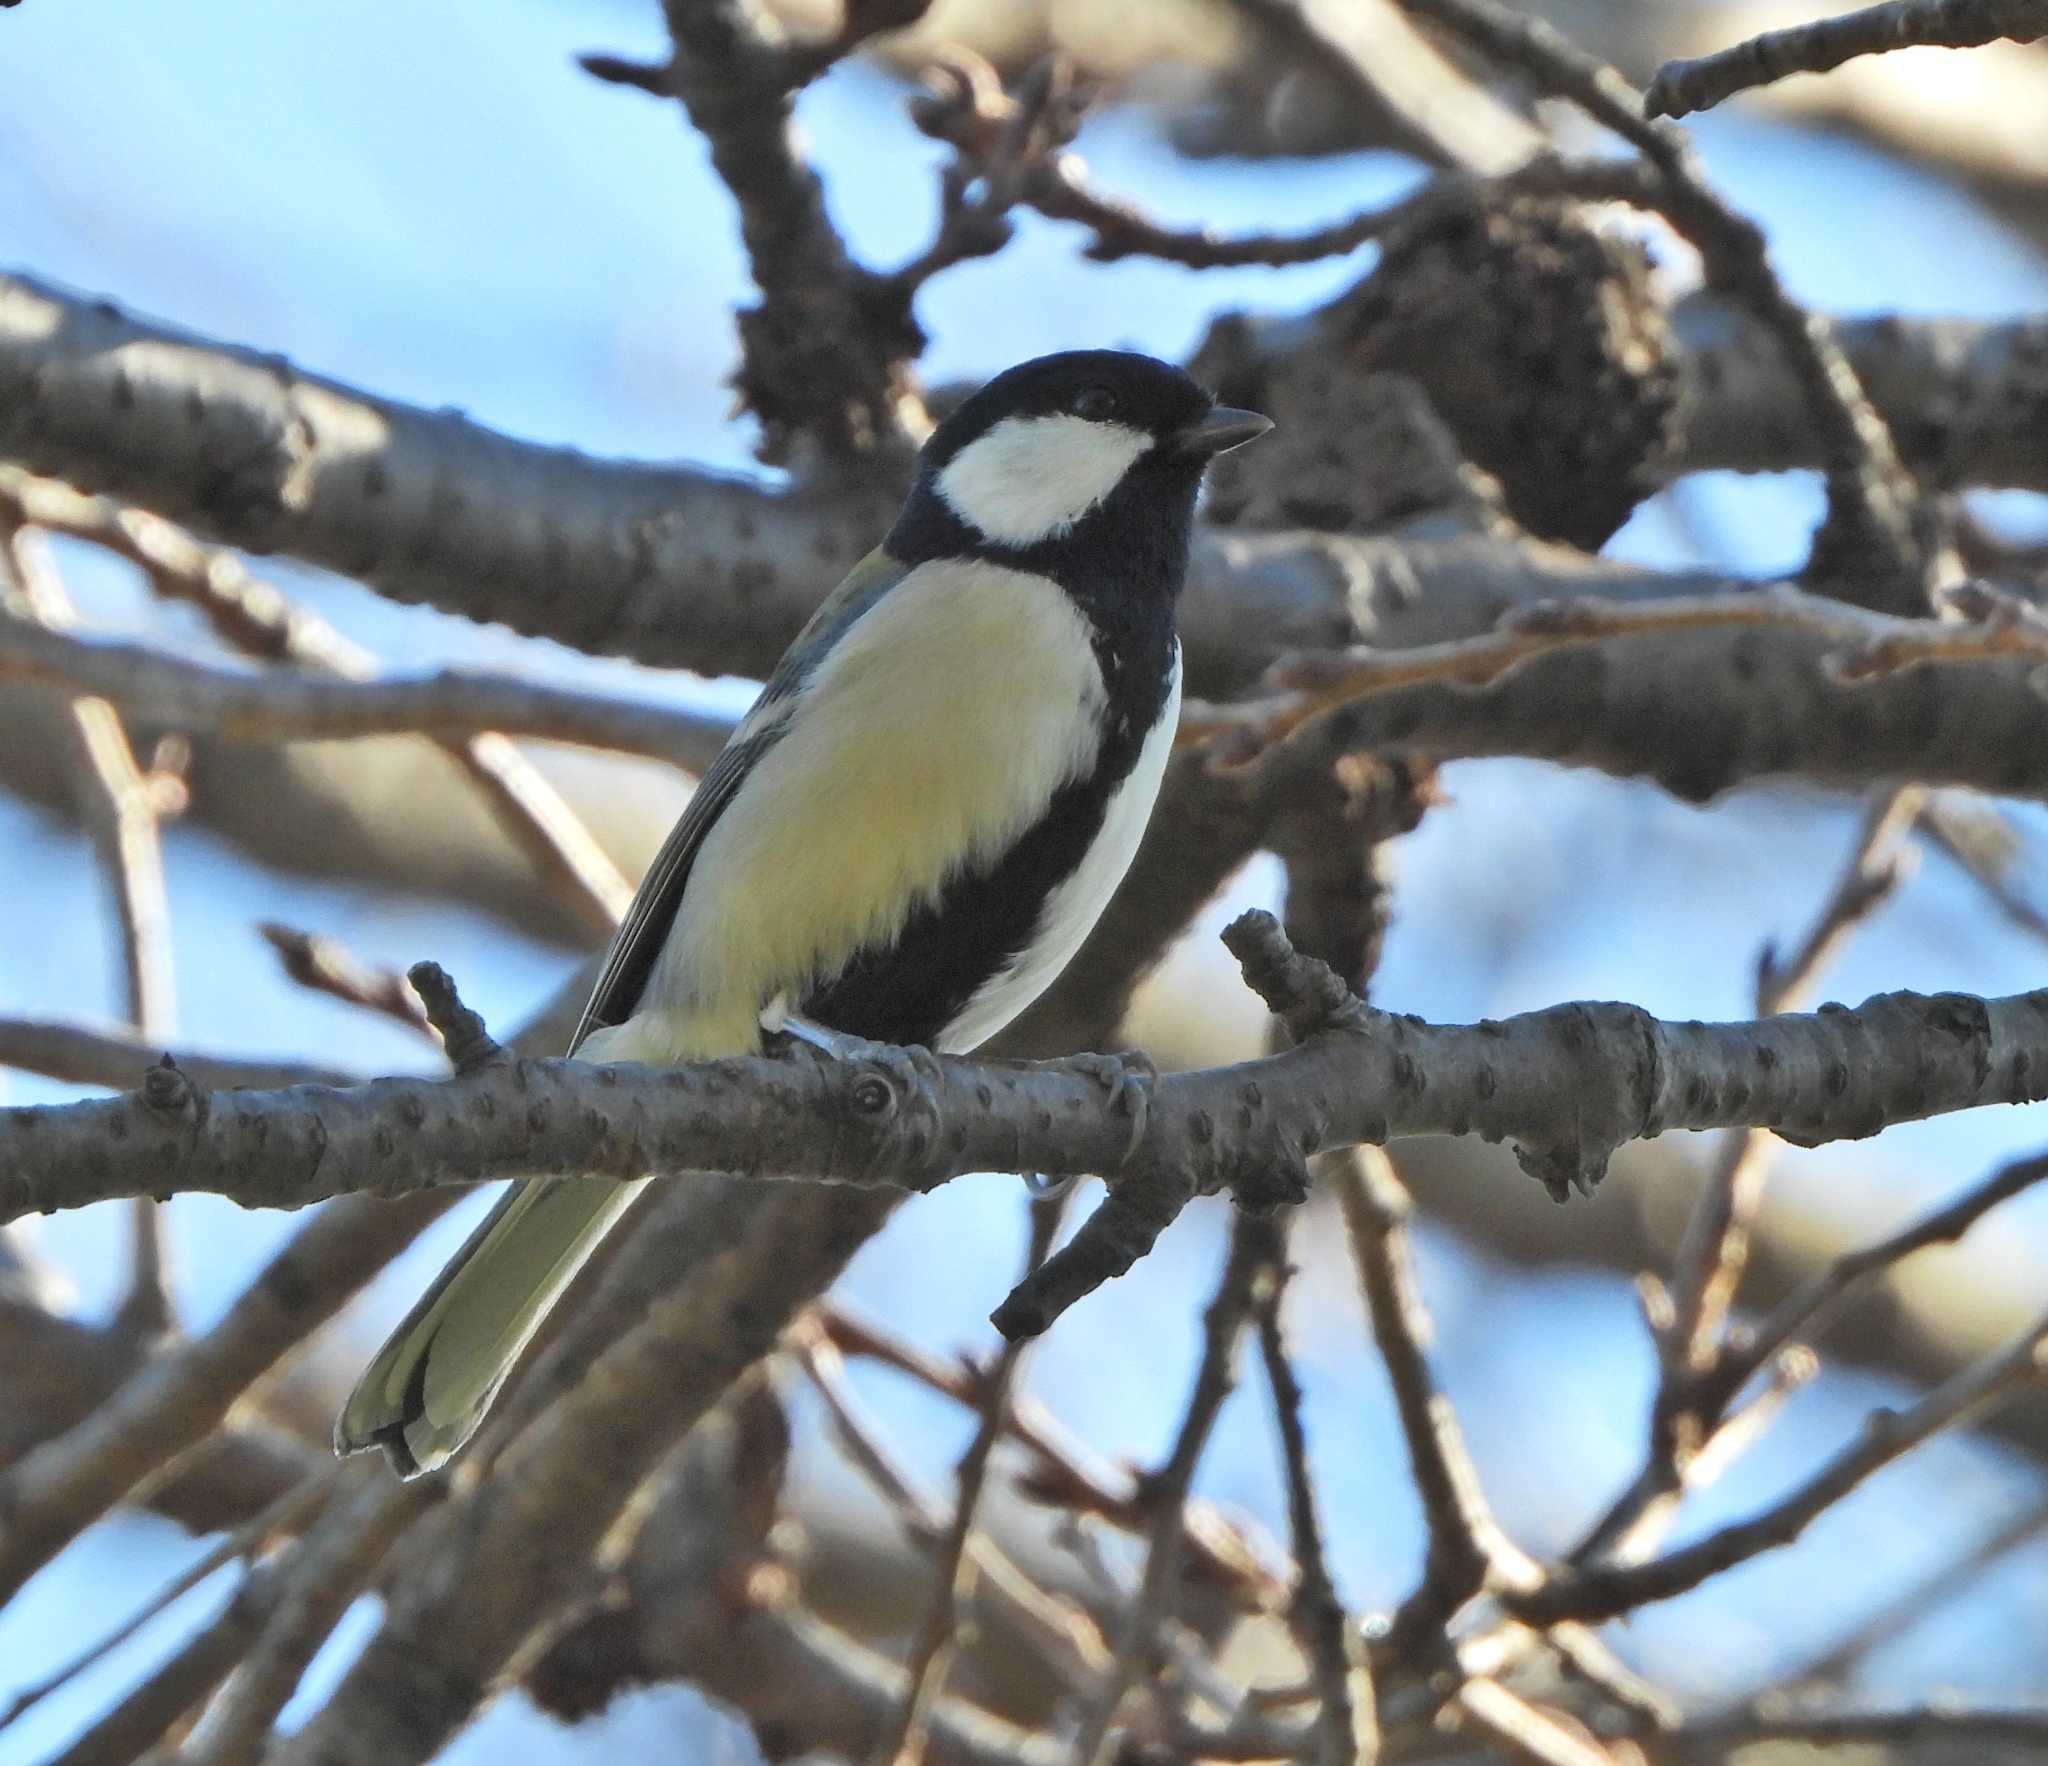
[[1079, 462]]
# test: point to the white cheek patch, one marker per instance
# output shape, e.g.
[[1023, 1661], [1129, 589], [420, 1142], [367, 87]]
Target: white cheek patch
[[1031, 478]]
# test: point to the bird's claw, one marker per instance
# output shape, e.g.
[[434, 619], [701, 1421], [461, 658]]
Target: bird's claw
[[1129, 1078], [1048, 1189]]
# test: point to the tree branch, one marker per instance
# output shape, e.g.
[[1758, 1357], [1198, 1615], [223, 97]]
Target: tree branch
[[122, 807], [1165, 1492], [1567, 1086], [827, 351], [1681, 87], [78, 1055], [1866, 646], [1966, 398], [255, 618], [278, 705], [1347, 1729], [1605, 1591]]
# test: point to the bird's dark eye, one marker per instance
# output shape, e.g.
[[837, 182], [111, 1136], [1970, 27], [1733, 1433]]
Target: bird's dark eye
[[1096, 403]]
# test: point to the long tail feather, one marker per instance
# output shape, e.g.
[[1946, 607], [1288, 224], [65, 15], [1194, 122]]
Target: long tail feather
[[427, 1389]]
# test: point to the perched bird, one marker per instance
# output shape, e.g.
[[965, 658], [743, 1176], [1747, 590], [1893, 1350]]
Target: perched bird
[[910, 833]]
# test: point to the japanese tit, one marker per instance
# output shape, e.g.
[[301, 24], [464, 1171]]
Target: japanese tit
[[911, 832]]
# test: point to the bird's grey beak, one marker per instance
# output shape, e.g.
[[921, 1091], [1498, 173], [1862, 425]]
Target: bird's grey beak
[[1221, 430]]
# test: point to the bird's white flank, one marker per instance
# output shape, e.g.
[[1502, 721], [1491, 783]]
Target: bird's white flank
[[1031, 478]]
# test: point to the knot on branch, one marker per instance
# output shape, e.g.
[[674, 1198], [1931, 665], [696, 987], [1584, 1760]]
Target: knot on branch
[[1307, 995], [1517, 315], [172, 1093], [890, 1098], [469, 1046], [1613, 1095]]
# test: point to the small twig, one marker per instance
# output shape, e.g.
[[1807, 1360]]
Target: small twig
[[1711, 1256], [324, 964], [1608, 1590], [1960, 1733], [956, 1571], [1035, 167], [1062, 1478], [1543, 1738], [1467, 1549], [800, 62], [1867, 546], [1165, 1491], [919, 1516], [1005, 146], [318, 1580], [452, 705], [80, 1055], [1065, 1638], [1824, 1295], [1681, 87], [1713, 1438], [1691, 1436], [1980, 839], [120, 809], [469, 1047], [287, 1512], [259, 620], [1346, 1722]]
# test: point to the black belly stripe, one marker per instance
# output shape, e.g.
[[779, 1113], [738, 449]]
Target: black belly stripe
[[910, 990]]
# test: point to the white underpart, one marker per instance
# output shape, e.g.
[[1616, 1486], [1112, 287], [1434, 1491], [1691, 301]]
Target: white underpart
[[1071, 910], [1031, 478]]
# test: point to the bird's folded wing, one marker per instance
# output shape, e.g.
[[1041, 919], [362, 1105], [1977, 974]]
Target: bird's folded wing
[[645, 928]]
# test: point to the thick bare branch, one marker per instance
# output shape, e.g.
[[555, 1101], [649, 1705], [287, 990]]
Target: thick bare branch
[[1966, 398], [312, 1585], [287, 1512], [827, 350], [1567, 1085], [61, 1371]]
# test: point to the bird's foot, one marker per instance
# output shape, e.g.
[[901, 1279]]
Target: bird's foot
[[836, 1043], [1128, 1078]]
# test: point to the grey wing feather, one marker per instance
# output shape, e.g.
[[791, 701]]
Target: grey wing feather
[[646, 926]]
